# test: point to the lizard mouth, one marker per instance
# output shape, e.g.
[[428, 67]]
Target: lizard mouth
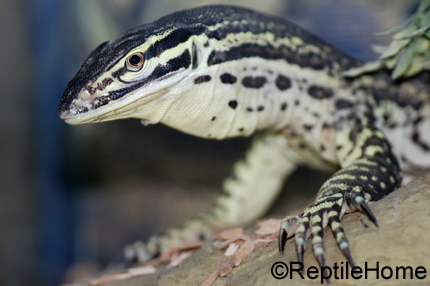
[[81, 118]]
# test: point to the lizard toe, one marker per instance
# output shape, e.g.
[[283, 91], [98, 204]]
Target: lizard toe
[[356, 199], [287, 230]]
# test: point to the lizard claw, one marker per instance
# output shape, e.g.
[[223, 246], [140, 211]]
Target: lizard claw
[[282, 240], [312, 224], [358, 201], [287, 229]]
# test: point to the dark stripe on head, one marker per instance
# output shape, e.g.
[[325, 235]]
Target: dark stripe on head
[[183, 61], [310, 59], [176, 37], [195, 22]]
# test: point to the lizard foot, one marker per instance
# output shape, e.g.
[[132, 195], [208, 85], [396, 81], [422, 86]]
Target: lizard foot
[[192, 233], [326, 210]]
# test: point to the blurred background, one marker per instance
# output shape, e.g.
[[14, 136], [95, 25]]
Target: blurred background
[[72, 196]]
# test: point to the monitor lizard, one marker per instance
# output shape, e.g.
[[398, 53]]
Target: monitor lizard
[[221, 71]]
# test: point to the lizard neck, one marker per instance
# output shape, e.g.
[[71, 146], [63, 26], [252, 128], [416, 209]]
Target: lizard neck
[[244, 96]]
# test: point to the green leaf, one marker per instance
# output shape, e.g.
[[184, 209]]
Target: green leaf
[[395, 47], [390, 63], [416, 66], [365, 68], [404, 62], [379, 49], [404, 33], [420, 45]]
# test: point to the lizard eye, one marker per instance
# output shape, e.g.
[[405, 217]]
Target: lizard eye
[[135, 62]]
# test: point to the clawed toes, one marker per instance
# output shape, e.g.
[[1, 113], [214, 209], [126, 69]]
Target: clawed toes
[[287, 229], [358, 201], [312, 223]]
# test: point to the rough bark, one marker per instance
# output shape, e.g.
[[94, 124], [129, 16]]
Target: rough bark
[[402, 239]]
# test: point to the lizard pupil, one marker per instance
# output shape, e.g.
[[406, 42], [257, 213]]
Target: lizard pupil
[[135, 61]]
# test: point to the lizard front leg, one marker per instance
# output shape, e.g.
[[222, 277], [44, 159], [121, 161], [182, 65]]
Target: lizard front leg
[[369, 171], [246, 196]]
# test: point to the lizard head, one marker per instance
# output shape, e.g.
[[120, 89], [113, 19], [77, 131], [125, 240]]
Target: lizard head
[[121, 76]]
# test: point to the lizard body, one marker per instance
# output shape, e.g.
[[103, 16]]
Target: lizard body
[[222, 71]]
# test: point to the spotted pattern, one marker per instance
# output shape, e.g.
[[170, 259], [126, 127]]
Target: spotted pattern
[[283, 82], [372, 170], [416, 139], [233, 104], [343, 104], [254, 82], [228, 78], [202, 79], [320, 92]]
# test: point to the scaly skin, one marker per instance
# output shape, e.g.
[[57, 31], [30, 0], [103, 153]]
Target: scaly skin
[[222, 71]]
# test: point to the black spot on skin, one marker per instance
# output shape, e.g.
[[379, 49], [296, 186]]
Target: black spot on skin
[[232, 104], [206, 44], [386, 117], [241, 129], [228, 78], [283, 106], [326, 126], [322, 148], [195, 57], [315, 114], [296, 103], [392, 125], [342, 104], [91, 89], [338, 147], [307, 127], [416, 139], [213, 118], [260, 108], [283, 83], [249, 109], [254, 82], [356, 130], [202, 79], [418, 120], [303, 145], [319, 92]]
